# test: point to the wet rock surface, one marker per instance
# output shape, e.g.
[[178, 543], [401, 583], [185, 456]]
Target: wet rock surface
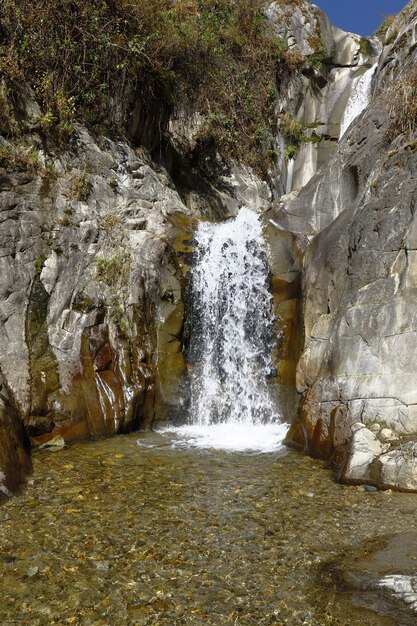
[[93, 268], [96, 241], [115, 533]]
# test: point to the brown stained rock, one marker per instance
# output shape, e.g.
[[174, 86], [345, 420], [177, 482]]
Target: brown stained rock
[[170, 390], [171, 374], [339, 431], [107, 396], [301, 429], [320, 445], [174, 319], [103, 358], [295, 437], [110, 394], [15, 463], [135, 377], [284, 259], [99, 347], [287, 329]]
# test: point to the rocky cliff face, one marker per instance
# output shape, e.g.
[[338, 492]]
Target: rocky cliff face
[[96, 241], [318, 95], [93, 255], [357, 370]]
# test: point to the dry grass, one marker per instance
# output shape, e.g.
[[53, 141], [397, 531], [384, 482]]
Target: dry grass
[[401, 102], [87, 61]]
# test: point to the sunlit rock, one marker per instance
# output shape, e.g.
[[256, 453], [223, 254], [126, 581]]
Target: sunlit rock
[[398, 468], [364, 448]]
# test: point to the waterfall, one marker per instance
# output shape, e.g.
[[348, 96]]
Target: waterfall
[[231, 339], [290, 175], [359, 99], [233, 331]]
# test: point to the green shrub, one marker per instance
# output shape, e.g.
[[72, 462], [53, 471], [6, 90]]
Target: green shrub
[[85, 61], [67, 217], [296, 133], [38, 264], [318, 59], [20, 158], [114, 270], [8, 124], [291, 150], [80, 185], [383, 28], [118, 314], [365, 46]]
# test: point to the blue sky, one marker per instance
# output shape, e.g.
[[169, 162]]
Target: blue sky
[[359, 16]]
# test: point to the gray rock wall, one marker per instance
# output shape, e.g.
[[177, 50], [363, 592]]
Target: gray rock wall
[[94, 246], [359, 312], [333, 59]]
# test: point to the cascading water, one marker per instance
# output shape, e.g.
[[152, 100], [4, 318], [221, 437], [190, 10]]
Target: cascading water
[[231, 340], [232, 331], [359, 99]]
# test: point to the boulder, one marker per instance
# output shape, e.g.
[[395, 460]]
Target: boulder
[[364, 448]]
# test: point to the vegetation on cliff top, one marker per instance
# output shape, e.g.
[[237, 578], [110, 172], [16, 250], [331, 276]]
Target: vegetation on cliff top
[[88, 62]]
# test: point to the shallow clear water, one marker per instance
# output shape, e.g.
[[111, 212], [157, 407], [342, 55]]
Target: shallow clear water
[[113, 532]]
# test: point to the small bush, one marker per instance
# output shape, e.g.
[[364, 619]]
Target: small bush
[[119, 316], [291, 150], [294, 59], [38, 264], [80, 186], [20, 158], [86, 61], [111, 221], [401, 102], [297, 133], [383, 28], [365, 46], [67, 217], [113, 270], [318, 59], [8, 124]]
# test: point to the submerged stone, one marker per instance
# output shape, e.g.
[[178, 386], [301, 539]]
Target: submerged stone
[[379, 577]]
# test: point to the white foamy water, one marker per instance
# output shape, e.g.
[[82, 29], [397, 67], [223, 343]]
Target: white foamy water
[[261, 438], [232, 324], [359, 99], [290, 175], [231, 339]]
